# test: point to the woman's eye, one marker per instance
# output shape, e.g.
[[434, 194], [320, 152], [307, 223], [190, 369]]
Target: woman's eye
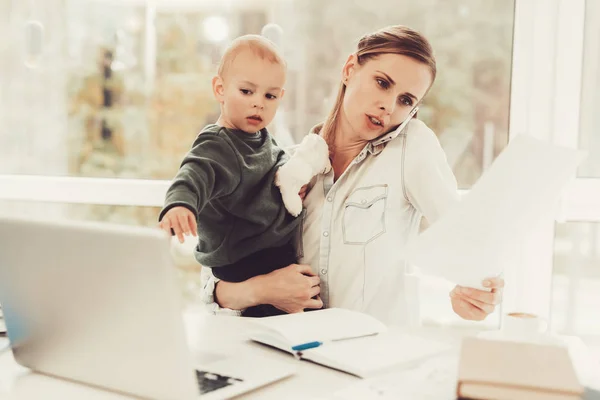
[[270, 96], [245, 91], [383, 83], [407, 101]]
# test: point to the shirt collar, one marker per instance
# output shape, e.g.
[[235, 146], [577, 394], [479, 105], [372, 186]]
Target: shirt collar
[[371, 149]]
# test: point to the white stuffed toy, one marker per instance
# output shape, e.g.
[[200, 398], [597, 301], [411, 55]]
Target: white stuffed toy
[[310, 158]]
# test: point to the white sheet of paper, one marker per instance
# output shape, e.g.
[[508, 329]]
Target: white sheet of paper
[[472, 241]]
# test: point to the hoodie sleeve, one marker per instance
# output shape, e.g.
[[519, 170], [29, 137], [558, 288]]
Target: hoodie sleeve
[[211, 169]]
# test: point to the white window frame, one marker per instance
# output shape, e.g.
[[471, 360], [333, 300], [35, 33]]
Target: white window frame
[[76, 190], [545, 102]]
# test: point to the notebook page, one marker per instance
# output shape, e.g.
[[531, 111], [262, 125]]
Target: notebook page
[[369, 355], [322, 325], [432, 379]]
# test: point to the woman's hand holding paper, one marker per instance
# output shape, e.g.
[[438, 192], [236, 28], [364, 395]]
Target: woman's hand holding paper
[[474, 304]]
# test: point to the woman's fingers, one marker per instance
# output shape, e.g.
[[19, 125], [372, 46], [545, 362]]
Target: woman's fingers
[[487, 308], [314, 303], [493, 298], [314, 281], [467, 310], [305, 269], [313, 291], [494, 283]]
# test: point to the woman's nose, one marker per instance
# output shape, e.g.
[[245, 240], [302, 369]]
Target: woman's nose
[[388, 109], [388, 105]]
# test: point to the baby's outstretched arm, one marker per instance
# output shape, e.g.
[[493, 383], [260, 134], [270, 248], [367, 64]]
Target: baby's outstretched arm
[[210, 169]]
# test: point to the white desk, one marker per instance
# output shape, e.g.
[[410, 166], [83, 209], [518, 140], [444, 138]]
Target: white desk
[[228, 335]]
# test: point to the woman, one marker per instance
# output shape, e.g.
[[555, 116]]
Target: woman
[[361, 215]]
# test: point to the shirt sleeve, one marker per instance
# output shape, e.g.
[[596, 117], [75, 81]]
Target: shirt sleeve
[[207, 295], [430, 185], [209, 170]]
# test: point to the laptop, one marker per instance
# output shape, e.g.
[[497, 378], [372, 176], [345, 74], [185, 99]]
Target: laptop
[[99, 304]]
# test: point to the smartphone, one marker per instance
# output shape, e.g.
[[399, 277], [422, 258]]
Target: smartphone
[[392, 135]]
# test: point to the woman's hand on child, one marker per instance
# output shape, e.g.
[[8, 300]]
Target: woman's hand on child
[[474, 304], [179, 221], [292, 289]]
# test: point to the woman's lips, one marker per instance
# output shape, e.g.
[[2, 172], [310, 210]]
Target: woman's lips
[[374, 122]]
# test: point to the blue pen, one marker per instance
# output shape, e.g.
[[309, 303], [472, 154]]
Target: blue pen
[[312, 345], [306, 346]]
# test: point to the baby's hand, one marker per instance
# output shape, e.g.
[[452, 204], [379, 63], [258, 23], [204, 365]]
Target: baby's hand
[[179, 221]]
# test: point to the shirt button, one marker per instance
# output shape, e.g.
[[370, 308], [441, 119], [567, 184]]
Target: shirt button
[[329, 199], [325, 233], [324, 271], [363, 201]]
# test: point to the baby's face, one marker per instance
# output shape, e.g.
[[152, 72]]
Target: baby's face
[[252, 91]]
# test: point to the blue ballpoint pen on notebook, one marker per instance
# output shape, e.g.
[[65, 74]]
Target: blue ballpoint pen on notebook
[[306, 346], [316, 343]]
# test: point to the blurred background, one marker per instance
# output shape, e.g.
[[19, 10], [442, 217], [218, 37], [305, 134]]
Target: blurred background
[[120, 88], [123, 87]]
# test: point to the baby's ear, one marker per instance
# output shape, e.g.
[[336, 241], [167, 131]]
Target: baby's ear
[[218, 89]]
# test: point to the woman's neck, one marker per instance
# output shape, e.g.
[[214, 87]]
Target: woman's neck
[[346, 146]]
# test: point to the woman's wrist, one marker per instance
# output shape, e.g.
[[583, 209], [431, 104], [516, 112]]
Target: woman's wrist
[[239, 295]]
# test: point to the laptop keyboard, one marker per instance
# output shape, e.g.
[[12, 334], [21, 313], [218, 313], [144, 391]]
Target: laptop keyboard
[[209, 381]]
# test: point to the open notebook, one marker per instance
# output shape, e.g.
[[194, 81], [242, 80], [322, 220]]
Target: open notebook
[[345, 340]]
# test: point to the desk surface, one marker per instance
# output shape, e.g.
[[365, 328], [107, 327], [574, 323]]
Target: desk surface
[[228, 335]]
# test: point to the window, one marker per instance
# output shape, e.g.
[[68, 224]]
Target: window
[[121, 88], [576, 281], [576, 269], [127, 215], [576, 261], [553, 74], [589, 139]]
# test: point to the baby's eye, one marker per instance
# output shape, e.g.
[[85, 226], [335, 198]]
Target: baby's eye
[[270, 96], [245, 91], [383, 83]]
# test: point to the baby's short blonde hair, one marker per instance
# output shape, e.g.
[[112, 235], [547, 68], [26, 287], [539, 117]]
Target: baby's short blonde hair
[[259, 45]]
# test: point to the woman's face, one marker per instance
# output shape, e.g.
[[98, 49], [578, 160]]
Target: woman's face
[[381, 93]]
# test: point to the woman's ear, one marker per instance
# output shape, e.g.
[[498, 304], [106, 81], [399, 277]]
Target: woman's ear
[[349, 67], [218, 89]]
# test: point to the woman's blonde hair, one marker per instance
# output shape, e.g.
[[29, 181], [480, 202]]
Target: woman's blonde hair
[[396, 39]]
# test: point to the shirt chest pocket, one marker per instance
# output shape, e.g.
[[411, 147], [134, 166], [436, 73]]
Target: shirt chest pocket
[[364, 214]]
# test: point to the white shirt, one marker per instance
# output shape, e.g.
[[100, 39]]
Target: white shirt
[[356, 228]]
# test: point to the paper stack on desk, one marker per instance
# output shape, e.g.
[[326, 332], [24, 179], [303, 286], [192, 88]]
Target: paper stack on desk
[[474, 240]]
